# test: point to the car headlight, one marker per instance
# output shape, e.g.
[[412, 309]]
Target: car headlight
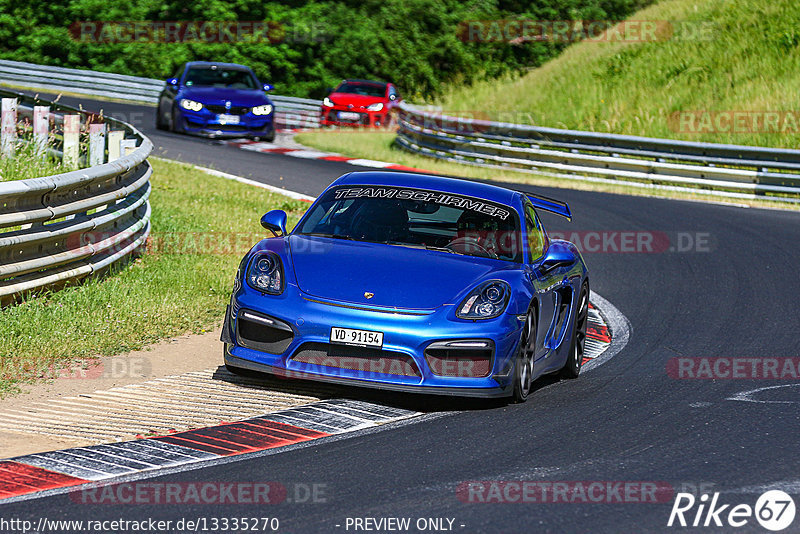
[[191, 105], [377, 106], [266, 273], [487, 301], [327, 102], [266, 109]]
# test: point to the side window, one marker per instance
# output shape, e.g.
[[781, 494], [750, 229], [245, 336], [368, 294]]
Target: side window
[[392, 93], [534, 234]]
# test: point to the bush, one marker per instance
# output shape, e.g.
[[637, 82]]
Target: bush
[[414, 43]]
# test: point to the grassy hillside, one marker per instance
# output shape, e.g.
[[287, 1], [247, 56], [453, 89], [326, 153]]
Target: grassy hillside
[[309, 46], [750, 61]]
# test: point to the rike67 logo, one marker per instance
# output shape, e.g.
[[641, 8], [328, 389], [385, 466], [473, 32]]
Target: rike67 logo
[[774, 510]]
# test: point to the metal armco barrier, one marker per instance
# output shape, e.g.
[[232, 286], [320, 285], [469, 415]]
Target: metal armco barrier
[[707, 168], [289, 111], [59, 228]]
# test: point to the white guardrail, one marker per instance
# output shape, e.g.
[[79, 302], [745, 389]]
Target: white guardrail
[[714, 169], [290, 111], [56, 229], [708, 168]]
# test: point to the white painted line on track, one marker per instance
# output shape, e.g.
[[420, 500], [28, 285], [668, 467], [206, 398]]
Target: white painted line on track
[[291, 194], [308, 154], [369, 163], [747, 396]]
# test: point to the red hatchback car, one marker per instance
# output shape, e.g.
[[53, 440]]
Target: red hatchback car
[[360, 103]]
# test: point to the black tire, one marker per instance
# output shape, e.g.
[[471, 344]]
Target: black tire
[[577, 347], [270, 137], [523, 366], [174, 123], [161, 124]]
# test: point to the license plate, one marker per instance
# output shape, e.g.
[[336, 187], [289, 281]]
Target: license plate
[[228, 119], [349, 116], [360, 338]]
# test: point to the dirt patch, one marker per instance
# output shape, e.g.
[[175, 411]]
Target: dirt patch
[[173, 356]]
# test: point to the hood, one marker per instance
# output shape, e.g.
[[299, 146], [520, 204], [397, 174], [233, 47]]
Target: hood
[[399, 277], [219, 95], [344, 99]]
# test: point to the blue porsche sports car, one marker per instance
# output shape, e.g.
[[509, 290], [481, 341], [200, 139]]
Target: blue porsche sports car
[[217, 100], [412, 282]]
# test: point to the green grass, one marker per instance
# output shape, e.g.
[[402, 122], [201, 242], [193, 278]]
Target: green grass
[[746, 59], [26, 164], [380, 146], [178, 286], [750, 63]]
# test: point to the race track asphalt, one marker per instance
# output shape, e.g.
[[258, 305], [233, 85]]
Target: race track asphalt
[[733, 296]]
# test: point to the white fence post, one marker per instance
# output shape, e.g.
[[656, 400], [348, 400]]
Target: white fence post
[[115, 137], [8, 127], [97, 144], [126, 146], [71, 149], [41, 129]]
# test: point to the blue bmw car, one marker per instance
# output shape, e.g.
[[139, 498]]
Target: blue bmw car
[[216, 100], [412, 282]]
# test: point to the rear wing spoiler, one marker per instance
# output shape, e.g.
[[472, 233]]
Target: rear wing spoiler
[[550, 204]]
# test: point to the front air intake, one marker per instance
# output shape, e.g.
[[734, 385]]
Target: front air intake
[[262, 332], [461, 358]]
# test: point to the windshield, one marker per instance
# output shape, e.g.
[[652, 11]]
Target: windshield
[[219, 77], [366, 89], [417, 218]]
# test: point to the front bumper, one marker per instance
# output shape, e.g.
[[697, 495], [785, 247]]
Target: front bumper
[[407, 335], [369, 119], [206, 123]]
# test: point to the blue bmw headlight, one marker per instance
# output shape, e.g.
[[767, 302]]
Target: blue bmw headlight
[[266, 109], [266, 273], [487, 301], [191, 105]]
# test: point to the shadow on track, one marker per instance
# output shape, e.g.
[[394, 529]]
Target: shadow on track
[[418, 402]]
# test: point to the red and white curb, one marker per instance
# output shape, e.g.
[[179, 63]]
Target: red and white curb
[[33, 473], [306, 153], [598, 337], [607, 333], [24, 476]]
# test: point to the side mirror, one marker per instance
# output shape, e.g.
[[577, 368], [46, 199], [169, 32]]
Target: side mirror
[[275, 222], [172, 82], [392, 97], [556, 256], [268, 87]]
